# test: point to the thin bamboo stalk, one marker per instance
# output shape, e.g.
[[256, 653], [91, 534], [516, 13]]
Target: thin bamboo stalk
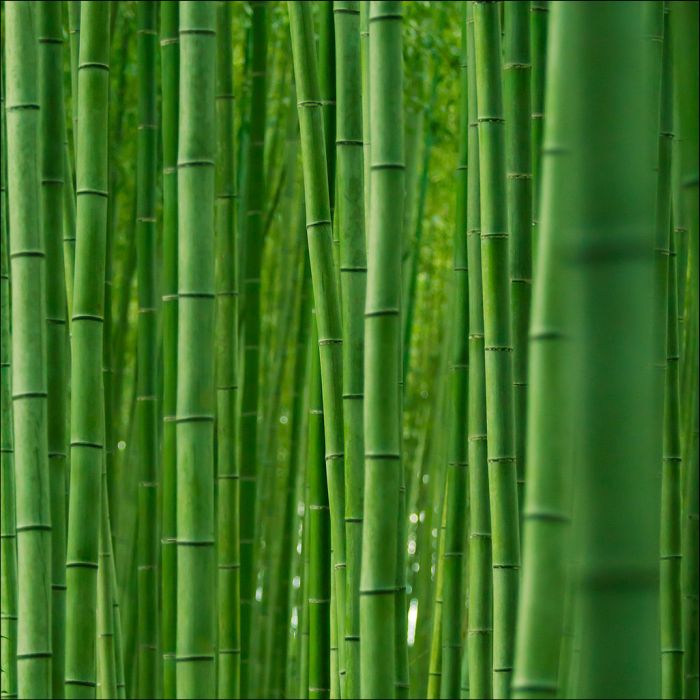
[[52, 120], [457, 464], [480, 627], [170, 53], [227, 476], [8, 534], [146, 407]]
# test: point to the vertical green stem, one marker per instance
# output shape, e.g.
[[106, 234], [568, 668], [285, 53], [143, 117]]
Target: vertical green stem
[[457, 464], [497, 342], [196, 402], [87, 406], [170, 52], [48, 18], [226, 351]]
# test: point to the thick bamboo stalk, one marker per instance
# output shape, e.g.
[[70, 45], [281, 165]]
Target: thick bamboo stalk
[[52, 120], [87, 407], [106, 657], [546, 510], [146, 407], [457, 456], [196, 626], [226, 351], [353, 278], [611, 219], [170, 53], [497, 342], [382, 415]]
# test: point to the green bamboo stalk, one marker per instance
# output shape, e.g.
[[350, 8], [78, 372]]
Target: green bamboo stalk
[[318, 226], [666, 348], [282, 650], [611, 219], [382, 415], [435, 663], [226, 351], [319, 568], [68, 224], [170, 52], [74, 11], [146, 408], [480, 628], [29, 383], [353, 279], [366, 144], [8, 534], [497, 343], [327, 84], [671, 552], [457, 465], [87, 408], [685, 58], [48, 18], [106, 659], [516, 98], [196, 627], [539, 13], [254, 202], [546, 512]]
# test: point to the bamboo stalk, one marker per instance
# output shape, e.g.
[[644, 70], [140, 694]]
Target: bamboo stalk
[[196, 628], [48, 19], [546, 514], [611, 218], [169, 17], [497, 343], [87, 408], [457, 465], [227, 475]]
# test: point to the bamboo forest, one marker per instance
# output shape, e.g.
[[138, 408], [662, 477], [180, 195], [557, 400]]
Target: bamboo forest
[[349, 349]]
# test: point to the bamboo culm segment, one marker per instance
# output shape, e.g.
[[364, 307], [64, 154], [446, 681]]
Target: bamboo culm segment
[[196, 627], [146, 416], [546, 511], [457, 454], [227, 483], [318, 227], [611, 219], [382, 417], [169, 57], [480, 620], [350, 217], [503, 495], [87, 390], [52, 120]]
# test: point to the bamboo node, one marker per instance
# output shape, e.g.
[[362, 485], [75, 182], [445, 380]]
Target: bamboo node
[[27, 254], [168, 42], [31, 528], [475, 631], [387, 166], [81, 565], [94, 64], [520, 66], [194, 543], [96, 192], [320, 222], [196, 30], [86, 684], [21, 106], [194, 657], [30, 395], [382, 455]]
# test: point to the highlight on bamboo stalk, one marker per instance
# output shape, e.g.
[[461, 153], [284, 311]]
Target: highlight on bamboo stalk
[[349, 349]]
